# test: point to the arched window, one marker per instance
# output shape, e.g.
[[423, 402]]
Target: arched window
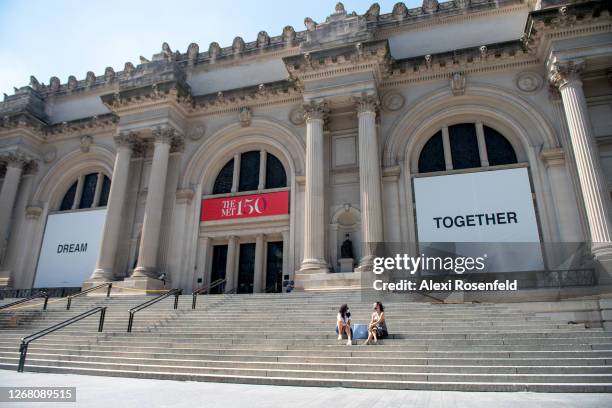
[[223, 183], [88, 191], [463, 144], [248, 177], [275, 172]]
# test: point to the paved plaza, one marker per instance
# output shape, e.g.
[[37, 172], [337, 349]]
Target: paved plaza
[[94, 392]]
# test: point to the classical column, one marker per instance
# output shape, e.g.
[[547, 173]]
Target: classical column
[[369, 179], [230, 263], [114, 208], [314, 203], [566, 76], [151, 227], [263, 156], [14, 167], [259, 278]]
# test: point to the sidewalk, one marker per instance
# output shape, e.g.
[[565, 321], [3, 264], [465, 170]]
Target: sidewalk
[[105, 392]]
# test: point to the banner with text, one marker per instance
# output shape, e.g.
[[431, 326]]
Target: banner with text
[[246, 206], [480, 213], [70, 248]]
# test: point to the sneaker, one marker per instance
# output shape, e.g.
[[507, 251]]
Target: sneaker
[[349, 343], [340, 337]]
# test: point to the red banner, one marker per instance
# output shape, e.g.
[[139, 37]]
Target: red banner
[[246, 206]]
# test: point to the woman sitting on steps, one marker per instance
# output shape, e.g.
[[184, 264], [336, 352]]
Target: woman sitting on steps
[[377, 328], [344, 324]]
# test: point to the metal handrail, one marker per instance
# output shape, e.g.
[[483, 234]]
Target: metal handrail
[[108, 291], [36, 296], [175, 292], [25, 342], [205, 289]]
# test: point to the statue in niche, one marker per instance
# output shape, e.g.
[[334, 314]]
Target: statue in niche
[[346, 250]]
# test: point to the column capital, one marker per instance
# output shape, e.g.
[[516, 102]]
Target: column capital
[[366, 104], [164, 134], [564, 72], [316, 110], [15, 159], [260, 236]]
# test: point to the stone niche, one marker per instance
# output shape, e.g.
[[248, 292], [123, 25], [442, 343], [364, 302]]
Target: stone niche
[[346, 220]]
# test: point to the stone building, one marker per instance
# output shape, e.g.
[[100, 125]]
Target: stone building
[[252, 162]]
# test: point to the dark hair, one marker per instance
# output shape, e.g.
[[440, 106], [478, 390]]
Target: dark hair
[[343, 310], [380, 305]]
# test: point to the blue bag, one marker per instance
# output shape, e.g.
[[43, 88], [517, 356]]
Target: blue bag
[[360, 331]]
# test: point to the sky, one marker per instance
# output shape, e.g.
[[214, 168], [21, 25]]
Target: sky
[[62, 38]]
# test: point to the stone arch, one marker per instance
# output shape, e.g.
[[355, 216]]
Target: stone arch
[[220, 147], [522, 123], [519, 121], [62, 174]]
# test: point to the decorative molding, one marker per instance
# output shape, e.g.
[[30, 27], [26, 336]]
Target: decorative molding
[[296, 116], [393, 101], [529, 81], [245, 116], [196, 130], [553, 157], [184, 196], [85, 143], [457, 83]]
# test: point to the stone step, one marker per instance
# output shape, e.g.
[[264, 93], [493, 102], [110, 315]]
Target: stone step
[[476, 360], [329, 374], [42, 358], [328, 382]]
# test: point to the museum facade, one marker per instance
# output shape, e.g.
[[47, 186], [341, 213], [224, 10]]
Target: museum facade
[[464, 121]]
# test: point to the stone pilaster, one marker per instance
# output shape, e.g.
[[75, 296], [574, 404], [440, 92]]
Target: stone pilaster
[[314, 203], [369, 179], [151, 227], [230, 263], [15, 163], [116, 201], [259, 279], [566, 76], [14, 168]]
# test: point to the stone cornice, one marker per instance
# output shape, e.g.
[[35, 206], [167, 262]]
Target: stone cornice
[[388, 26], [370, 56], [254, 96], [79, 127], [469, 61], [566, 21]]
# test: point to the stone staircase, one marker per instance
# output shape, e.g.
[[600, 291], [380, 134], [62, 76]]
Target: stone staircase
[[288, 339]]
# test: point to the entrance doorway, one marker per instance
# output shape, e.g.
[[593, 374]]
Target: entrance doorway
[[274, 268], [246, 268], [219, 261]]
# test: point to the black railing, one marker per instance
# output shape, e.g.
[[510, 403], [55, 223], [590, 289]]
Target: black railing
[[204, 290], [175, 292], [24, 293], [25, 342], [108, 291], [36, 296]]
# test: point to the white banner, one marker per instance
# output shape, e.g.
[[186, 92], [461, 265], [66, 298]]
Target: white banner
[[70, 248], [489, 207]]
